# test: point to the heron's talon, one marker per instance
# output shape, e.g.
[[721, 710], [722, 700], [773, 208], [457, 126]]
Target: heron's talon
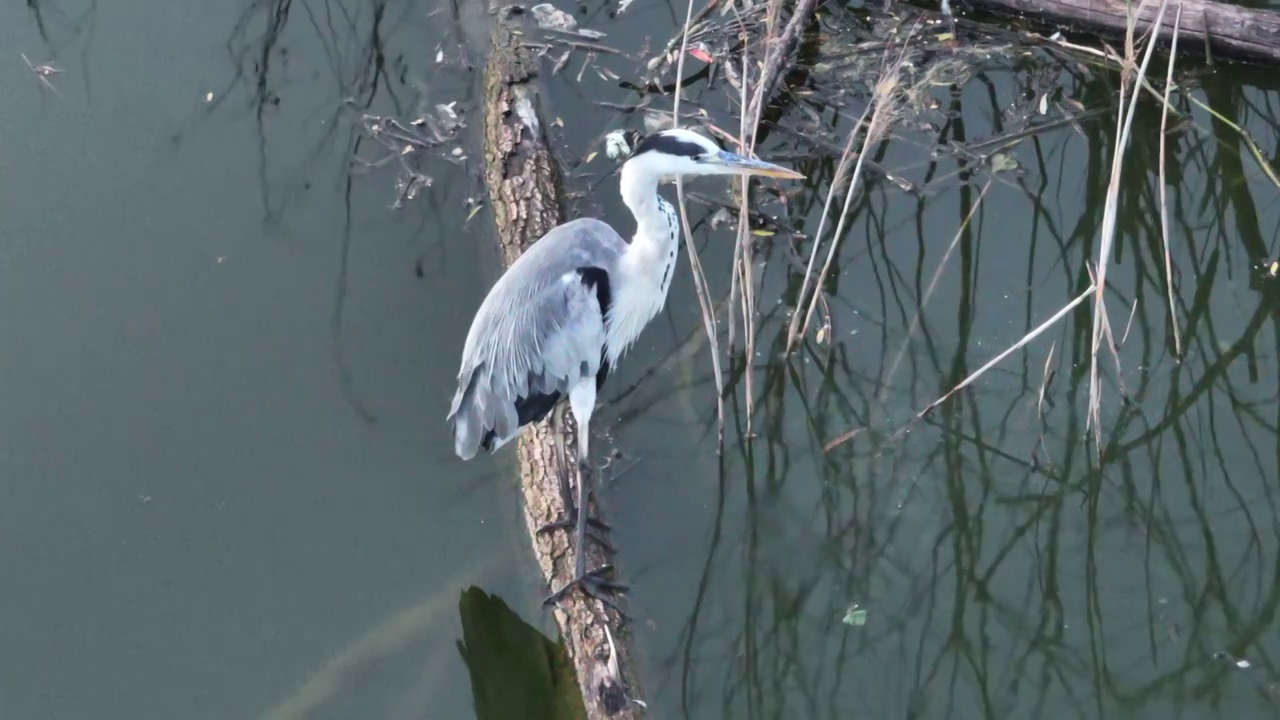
[[594, 585], [570, 521], [568, 524]]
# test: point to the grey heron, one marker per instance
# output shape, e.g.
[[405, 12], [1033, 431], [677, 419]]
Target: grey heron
[[566, 311]]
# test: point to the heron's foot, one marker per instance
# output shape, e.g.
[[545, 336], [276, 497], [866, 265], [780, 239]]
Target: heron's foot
[[595, 525], [594, 584], [570, 521]]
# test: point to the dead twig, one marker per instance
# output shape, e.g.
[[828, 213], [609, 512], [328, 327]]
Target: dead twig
[[1164, 193]]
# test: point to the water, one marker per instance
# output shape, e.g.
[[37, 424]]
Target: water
[[228, 489]]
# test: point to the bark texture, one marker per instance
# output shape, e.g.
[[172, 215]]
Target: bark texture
[[525, 194]]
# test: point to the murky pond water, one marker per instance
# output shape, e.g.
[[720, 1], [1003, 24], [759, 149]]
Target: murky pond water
[[228, 490]]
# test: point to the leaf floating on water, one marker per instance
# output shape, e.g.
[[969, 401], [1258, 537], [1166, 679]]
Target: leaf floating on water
[[1003, 162], [592, 156], [762, 233], [474, 209], [855, 616], [701, 54]]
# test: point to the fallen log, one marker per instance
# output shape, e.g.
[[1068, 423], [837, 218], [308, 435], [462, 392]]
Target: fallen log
[[1227, 31], [526, 196]]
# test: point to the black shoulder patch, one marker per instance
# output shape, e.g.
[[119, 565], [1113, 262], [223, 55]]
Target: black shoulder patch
[[597, 279], [658, 142]]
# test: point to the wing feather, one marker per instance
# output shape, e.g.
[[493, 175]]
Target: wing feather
[[540, 330]]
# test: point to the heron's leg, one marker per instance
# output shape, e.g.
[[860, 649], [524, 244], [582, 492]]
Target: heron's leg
[[562, 466], [570, 519], [582, 401]]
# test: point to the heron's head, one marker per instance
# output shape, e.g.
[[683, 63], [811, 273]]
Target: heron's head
[[672, 153]]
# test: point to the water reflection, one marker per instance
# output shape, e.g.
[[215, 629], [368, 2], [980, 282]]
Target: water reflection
[[1009, 564]]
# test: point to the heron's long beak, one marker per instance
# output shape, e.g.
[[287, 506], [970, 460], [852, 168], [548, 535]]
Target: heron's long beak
[[741, 165]]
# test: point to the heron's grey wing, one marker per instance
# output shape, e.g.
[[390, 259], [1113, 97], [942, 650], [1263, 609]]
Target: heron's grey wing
[[539, 331]]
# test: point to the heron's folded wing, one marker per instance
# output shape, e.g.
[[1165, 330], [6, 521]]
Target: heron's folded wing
[[533, 340]]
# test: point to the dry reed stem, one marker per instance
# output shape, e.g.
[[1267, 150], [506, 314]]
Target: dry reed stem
[[1133, 311], [1256, 152], [1108, 335], [883, 102], [841, 168], [1044, 381], [1039, 329], [743, 275], [876, 117], [1012, 349], [924, 300], [1164, 194], [699, 278], [777, 43], [1124, 122]]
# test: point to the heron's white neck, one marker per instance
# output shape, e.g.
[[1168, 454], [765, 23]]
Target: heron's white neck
[[647, 266], [657, 227]]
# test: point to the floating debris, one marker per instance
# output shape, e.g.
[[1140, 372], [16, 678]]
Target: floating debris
[[434, 128], [43, 71], [549, 17], [1241, 663], [855, 616], [1003, 162], [407, 187], [450, 120], [700, 52]]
